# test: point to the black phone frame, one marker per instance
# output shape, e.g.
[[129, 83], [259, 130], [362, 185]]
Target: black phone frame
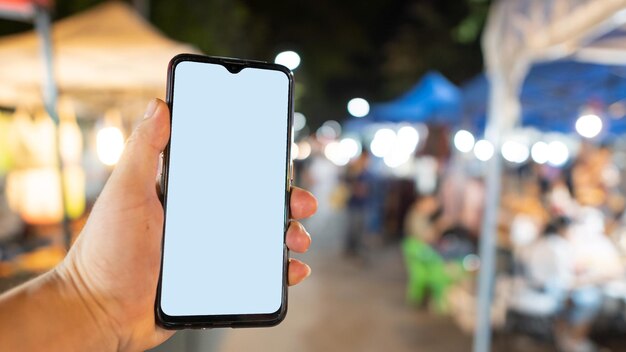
[[235, 320]]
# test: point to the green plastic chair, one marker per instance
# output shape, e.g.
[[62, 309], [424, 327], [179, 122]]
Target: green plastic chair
[[427, 274]]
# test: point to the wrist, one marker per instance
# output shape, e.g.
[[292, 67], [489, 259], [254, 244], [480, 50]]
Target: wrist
[[86, 314], [49, 313]]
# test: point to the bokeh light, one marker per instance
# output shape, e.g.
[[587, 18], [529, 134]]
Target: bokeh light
[[539, 152], [471, 262], [483, 150], [383, 141], [515, 152], [589, 125], [335, 153], [289, 59], [558, 154], [329, 130], [407, 139], [358, 107], [350, 147], [304, 150], [336, 126], [299, 121], [396, 156], [464, 141]]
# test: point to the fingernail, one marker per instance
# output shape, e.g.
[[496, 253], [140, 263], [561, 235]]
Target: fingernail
[[151, 109], [308, 273]]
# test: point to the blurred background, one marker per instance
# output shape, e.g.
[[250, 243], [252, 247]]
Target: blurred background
[[467, 156]]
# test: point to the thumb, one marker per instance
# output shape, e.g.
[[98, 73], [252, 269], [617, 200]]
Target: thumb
[[138, 165]]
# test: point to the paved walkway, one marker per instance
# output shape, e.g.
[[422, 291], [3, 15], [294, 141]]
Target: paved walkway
[[350, 306]]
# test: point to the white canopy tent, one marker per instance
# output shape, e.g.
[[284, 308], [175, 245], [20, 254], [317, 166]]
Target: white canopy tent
[[518, 34], [106, 50]]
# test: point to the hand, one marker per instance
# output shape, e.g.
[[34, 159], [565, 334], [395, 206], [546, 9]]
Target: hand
[[112, 270]]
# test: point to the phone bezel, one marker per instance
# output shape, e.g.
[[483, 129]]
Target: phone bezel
[[234, 320]]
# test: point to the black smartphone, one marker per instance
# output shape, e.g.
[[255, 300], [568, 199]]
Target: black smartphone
[[226, 181]]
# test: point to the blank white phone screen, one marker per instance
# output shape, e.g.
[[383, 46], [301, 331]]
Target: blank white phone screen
[[223, 241]]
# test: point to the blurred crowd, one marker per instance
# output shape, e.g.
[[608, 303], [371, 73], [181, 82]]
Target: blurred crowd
[[561, 236], [563, 230]]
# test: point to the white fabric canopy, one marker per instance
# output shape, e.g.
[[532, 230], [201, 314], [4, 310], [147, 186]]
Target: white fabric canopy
[[608, 50], [107, 49], [518, 34]]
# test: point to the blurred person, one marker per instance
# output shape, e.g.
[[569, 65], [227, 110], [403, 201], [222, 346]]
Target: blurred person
[[463, 201], [358, 181], [422, 219], [451, 189], [530, 307], [473, 205], [426, 174], [433, 253], [560, 199], [101, 297], [571, 263], [526, 214], [550, 266], [597, 259], [457, 223], [525, 230], [425, 267]]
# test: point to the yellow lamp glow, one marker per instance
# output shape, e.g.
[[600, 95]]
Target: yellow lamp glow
[[6, 160], [34, 186], [35, 195], [74, 188]]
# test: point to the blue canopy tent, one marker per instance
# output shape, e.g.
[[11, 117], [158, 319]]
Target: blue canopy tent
[[432, 99], [554, 93]]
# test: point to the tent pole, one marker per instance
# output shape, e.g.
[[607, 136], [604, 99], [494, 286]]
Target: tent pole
[[489, 231], [50, 96], [487, 252]]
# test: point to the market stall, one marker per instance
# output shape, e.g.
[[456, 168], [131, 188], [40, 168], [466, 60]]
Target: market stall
[[518, 34], [107, 63]]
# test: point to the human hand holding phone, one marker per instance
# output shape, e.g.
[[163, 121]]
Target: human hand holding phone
[[101, 297]]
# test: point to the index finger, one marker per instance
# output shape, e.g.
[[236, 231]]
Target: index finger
[[302, 203]]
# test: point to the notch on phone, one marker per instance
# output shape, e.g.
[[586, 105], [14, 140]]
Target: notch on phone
[[234, 67]]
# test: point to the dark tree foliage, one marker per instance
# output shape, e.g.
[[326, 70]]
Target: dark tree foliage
[[375, 49]]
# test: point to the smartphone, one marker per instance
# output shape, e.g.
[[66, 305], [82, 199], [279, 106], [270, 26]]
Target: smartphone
[[225, 182]]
